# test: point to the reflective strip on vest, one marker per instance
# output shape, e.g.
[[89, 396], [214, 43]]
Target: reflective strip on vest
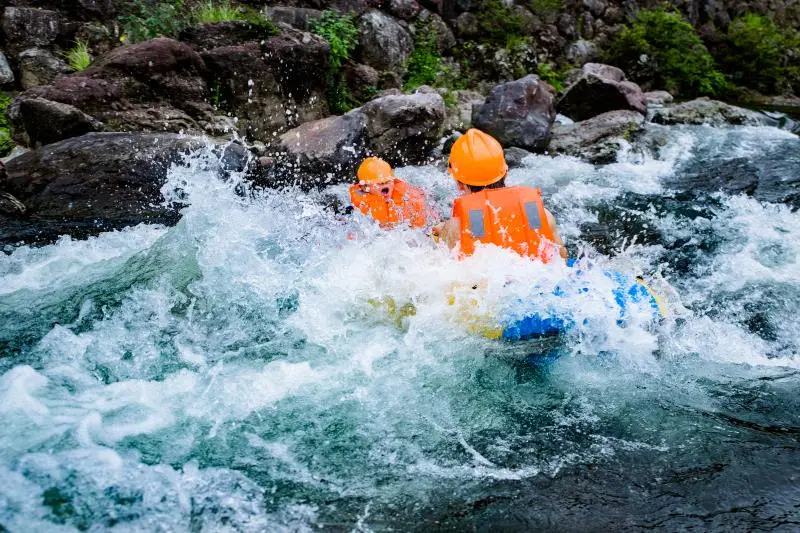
[[477, 224], [532, 212]]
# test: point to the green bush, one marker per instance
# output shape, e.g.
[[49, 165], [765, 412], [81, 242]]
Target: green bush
[[498, 23], [78, 57], [6, 144], [546, 7], [758, 54], [424, 65], [342, 35], [142, 21], [210, 12], [661, 48], [554, 77]]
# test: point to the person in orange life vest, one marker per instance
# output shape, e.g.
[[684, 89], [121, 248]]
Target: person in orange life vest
[[490, 212], [386, 198]]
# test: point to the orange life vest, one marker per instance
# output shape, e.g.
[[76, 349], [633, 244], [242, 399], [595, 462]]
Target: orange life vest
[[405, 206], [510, 217]]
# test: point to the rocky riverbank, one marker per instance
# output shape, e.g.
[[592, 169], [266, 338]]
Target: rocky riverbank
[[102, 137]]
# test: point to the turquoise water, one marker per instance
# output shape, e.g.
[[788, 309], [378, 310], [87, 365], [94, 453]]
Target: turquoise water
[[235, 373]]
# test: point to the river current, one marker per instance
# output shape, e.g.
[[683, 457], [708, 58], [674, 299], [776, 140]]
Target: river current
[[238, 372]]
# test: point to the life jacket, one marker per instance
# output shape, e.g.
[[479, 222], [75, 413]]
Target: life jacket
[[405, 206], [510, 217]]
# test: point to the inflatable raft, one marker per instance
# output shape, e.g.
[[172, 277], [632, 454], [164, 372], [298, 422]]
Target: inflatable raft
[[628, 296]]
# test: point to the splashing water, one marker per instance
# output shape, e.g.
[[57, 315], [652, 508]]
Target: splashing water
[[239, 371]]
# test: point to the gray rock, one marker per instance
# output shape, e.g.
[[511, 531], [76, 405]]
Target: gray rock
[[596, 7], [297, 17], [706, 111], [362, 80], [515, 156], [597, 139], [25, 27], [518, 113], [581, 51], [599, 89], [403, 9], [445, 40], [227, 33], [322, 152], [96, 182], [385, 44], [466, 26], [39, 67], [6, 74], [47, 122], [656, 98], [460, 117], [404, 129]]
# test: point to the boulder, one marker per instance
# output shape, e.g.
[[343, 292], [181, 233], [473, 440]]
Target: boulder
[[518, 113], [297, 17], [466, 26], [403, 9], [6, 74], [97, 182], [403, 129], [706, 111], [445, 40], [657, 98], [39, 67], [47, 122], [25, 27], [322, 152], [459, 116], [88, 10], [228, 33], [384, 43], [515, 156], [582, 51], [362, 80], [598, 89], [597, 139]]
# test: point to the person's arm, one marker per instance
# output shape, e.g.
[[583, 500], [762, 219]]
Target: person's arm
[[449, 231], [562, 248]]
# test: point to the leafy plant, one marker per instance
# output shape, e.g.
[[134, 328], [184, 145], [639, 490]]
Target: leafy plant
[[551, 76], [424, 65], [759, 54], [78, 57], [6, 144], [342, 35], [143, 21], [210, 12], [545, 7], [498, 23], [340, 31], [661, 48]]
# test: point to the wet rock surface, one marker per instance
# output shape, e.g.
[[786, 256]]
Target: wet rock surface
[[706, 111], [89, 184], [518, 113], [598, 89], [47, 122], [384, 43], [597, 139]]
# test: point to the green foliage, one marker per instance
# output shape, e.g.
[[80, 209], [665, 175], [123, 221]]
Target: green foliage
[[450, 99], [498, 23], [662, 48], [760, 55], [210, 12], [6, 144], [143, 21], [519, 58], [424, 66], [342, 35], [78, 57], [546, 7], [551, 76]]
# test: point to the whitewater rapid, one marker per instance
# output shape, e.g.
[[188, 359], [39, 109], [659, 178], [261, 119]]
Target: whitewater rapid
[[235, 372]]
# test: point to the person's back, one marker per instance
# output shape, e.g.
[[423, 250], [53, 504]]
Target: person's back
[[387, 199], [491, 213]]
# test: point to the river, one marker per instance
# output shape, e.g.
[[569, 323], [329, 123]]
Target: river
[[234, 373]]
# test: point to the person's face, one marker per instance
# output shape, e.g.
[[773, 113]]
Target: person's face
[[382, 189]]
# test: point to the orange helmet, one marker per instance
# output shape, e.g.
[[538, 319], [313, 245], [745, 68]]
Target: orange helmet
[[477, 159], [374, 170]]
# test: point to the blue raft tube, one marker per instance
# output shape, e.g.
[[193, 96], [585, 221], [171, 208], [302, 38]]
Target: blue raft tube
[[628, 291]]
